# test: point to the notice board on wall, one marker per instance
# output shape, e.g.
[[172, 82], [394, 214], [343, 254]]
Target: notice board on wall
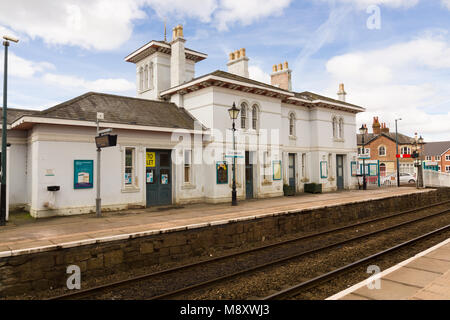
[[83, 177]]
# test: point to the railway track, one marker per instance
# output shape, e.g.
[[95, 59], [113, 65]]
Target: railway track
[[120, 285], [307, 285]]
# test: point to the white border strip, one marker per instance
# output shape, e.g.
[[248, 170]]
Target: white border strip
[[363, 283]]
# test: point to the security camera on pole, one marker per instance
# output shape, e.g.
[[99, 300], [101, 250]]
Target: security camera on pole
[[103, 140]]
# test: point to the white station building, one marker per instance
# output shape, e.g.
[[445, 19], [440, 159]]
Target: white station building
[[175, 141]]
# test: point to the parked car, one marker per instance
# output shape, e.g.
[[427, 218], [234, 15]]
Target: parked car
[[405, 178]]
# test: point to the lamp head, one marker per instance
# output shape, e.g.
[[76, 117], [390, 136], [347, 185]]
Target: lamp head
[[8, 38], [233, 112]]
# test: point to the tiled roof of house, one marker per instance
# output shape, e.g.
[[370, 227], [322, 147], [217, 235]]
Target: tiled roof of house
[[120, 109], [402, 139], [14, 114], [436, 148]]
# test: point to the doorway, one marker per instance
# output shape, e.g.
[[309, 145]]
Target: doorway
[[248, 176], [158, 177], [340, 172], [292, 170]]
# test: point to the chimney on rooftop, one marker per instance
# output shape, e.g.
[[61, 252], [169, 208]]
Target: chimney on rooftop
[[341, 94], [281, 76], [178, 57], [238, 63], [384, 128], [376, 127]]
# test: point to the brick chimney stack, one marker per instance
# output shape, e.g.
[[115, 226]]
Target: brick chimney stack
[[384, 128], [341, 94], [178, 57], [376, 126], [238, 63], [281, 76]]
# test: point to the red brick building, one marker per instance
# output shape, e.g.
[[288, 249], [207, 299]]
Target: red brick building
[[380, 144], [438, 152]]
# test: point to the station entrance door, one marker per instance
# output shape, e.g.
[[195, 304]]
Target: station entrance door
[[158, 177]]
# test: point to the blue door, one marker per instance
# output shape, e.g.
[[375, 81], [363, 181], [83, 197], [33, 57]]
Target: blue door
[[248, 176], [292, 170], [340, 172], [158, 177]]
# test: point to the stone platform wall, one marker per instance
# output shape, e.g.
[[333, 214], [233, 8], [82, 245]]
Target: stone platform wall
[[40, 271]]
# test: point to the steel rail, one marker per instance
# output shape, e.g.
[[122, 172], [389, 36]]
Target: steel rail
[[90, 291], [297, 289]]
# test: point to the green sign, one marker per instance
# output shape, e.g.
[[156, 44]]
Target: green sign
[[83, 174]]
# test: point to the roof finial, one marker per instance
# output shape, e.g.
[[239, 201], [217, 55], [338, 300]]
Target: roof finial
[[165, 31]]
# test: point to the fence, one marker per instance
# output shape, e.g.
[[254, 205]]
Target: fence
[[436, 179]]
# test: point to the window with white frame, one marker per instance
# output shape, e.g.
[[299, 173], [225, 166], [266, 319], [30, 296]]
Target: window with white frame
[[292, 124], [146, 77], [266, 166], [428, 158], [341, 128], [447, 158], [334, 127], [187, 166], [438, 158], [382, 151], [129, 166], [439, 168], [141, 79], [254, 117], [447, 168], [150, 75], [243, 115], [405, 150]]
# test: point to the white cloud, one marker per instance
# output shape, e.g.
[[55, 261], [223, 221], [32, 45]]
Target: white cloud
[[363, 4], [23, 68], [97, 24], [446, 3], [110, 85], [106, 24], [246, 12], [256, 73], [403, 80]]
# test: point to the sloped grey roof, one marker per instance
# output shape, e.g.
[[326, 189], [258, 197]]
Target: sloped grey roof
[[314, 96], [402, 139], [436, 148], [14, 114], [120, 109]]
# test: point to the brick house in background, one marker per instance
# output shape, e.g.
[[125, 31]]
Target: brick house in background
[[438, 152], [380, 144]]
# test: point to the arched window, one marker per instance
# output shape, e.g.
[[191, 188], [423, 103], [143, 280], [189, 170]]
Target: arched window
[[341, 128], [150, 76], [146, 77], [254, 117], [334, 127], [291, 124], [382, 151], [243, 115], [141, 79]]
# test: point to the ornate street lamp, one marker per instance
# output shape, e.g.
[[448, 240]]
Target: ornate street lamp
[[419, 147], [362, 131], [4, 132], [396, 146], [234, 113]]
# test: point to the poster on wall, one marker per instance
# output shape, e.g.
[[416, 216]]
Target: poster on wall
[[83, 177], [323, 169], [354, 168], [277, 170], [150, 159], [222, 172]]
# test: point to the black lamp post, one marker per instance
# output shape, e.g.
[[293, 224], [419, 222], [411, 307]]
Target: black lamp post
[[4, 133], [362, 131], [418, 145], [234, 112]]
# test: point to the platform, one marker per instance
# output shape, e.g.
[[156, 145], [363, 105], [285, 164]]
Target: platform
[[426, 276], [25, 236]]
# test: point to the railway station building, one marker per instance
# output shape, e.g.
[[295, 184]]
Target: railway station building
[[174, 142]]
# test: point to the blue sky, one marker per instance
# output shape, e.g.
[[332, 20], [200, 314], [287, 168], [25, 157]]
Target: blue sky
[[401, 69]]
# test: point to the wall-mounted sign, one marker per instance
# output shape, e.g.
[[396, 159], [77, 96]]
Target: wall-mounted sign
[[83, 177], [150, 159], [323, 169], [277, 170], [222, 172]]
